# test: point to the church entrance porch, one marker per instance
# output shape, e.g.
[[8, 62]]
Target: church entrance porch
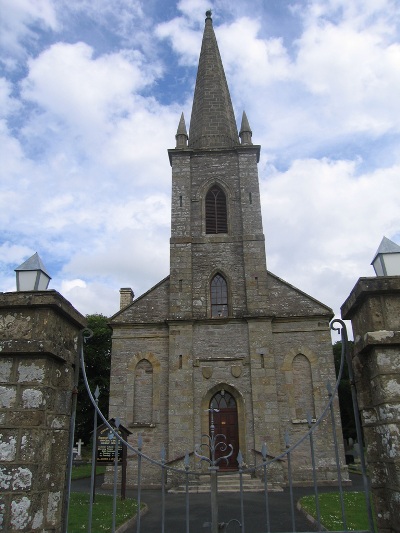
[[225, 417]]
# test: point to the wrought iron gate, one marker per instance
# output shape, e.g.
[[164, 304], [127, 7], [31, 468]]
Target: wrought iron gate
[[215, 450]]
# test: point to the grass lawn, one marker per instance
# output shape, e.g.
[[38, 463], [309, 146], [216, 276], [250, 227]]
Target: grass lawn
[[82, 471], [102, 512], [330, 510]]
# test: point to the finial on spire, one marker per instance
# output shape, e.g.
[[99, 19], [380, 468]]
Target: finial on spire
[[208, 14], [245, 130], [181, 134]]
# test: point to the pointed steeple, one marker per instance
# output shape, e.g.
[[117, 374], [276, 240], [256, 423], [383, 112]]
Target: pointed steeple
[[212, 124], [245, 130], [181, 134]]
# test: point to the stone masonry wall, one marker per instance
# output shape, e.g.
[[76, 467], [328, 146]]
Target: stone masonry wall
[[309, 339], [131, 345], [38, 346], [373, 306]]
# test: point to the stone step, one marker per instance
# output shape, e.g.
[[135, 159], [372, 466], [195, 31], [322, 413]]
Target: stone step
[[226, 483]]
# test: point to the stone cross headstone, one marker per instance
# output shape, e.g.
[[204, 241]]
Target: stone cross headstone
[[80, 443]]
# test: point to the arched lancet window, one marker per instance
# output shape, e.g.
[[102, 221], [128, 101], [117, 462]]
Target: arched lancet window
[[216, 213], [303, 387], [223, 400], [219, 297], [143, 396]]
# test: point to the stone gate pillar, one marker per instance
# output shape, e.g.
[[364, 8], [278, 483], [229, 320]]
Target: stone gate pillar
[[374, 310], [38, 354]]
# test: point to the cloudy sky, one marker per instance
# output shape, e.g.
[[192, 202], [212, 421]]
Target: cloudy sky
[[91, 92]]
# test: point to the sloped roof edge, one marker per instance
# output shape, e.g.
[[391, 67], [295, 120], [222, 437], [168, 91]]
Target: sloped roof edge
[[300, 292], [139, 298]]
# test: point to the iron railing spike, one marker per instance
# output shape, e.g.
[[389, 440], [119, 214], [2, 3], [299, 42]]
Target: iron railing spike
[[264, 450], [240, 458]]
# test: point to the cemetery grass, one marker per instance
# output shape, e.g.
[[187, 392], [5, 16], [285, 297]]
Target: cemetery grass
[[102, 512], [83, 471], [331, 513]]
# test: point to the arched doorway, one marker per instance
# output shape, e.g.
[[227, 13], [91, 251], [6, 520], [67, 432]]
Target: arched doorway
[[226, 423]]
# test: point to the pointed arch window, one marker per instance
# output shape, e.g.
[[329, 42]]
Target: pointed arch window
[[216, 212], [219, 297], [223, 400]]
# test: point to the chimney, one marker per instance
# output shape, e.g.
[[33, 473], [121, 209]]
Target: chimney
[[125, 297]]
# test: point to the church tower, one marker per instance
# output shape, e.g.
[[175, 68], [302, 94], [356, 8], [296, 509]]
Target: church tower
[[220, 331], [218, 274], [218, 266]]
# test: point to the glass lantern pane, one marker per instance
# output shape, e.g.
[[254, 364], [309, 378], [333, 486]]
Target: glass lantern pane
[[43, 282], [392, 263], [378, 266], [27, 280]]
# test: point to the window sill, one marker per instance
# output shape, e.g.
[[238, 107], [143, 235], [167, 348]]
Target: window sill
[[141, 425]]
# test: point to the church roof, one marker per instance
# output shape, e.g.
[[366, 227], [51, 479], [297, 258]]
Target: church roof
[[213, 123], [284, 300]]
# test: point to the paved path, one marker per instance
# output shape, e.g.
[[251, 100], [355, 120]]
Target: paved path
[[229, 508]]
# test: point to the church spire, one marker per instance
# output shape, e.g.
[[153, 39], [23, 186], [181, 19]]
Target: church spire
[[212, 124]]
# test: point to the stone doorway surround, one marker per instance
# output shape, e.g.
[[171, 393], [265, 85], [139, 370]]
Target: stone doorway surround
[[205, 405]]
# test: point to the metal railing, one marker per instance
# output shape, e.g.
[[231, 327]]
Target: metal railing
[[215, 442]]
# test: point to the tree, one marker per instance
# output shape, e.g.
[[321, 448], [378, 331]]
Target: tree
[[97, 352], [345, 399]]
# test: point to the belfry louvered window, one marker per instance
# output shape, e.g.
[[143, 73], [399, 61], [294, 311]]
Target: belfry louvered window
[[216, 214], [219, 297]]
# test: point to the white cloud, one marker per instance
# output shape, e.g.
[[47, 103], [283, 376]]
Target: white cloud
[[124, 18], [85, 177], [329, 221], [83, 91], [260, 62], [8, 104], [194, 8], [185, 40], [14, 253], [18, 18], [89, 298], [354, 71]]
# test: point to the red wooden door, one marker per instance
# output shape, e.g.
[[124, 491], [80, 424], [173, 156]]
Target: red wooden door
[[226, 423]]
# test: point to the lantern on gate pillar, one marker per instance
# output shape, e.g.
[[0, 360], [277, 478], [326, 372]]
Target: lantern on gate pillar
[[32, 275], [387, 259]]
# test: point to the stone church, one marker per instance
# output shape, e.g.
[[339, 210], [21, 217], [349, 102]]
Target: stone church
[[220, 330]]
